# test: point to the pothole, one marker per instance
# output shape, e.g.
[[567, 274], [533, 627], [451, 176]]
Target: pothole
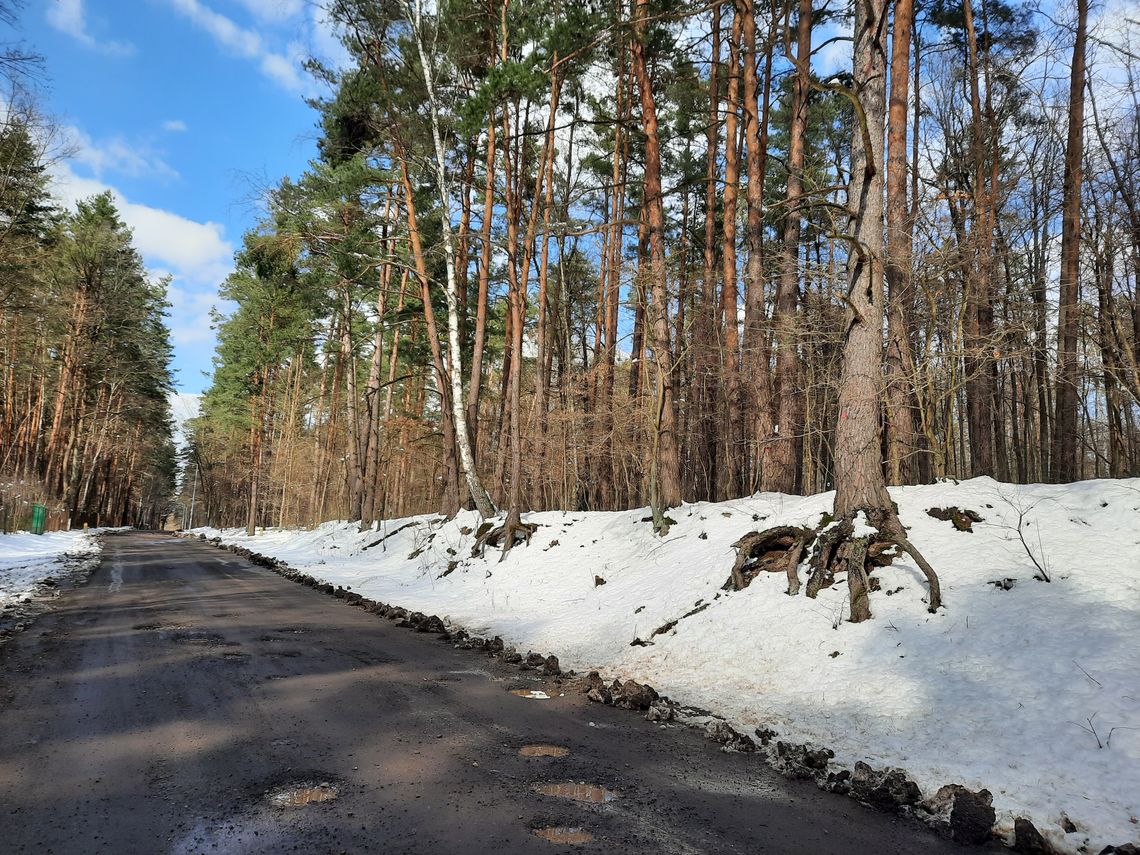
[[543, 750], [305, 793], [532, 694], [564, 834], [591, 793], [193, 637], [165, 628]]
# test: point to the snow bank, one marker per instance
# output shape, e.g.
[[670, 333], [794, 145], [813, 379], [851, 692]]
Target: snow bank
[[27, 559], [1001, 689]]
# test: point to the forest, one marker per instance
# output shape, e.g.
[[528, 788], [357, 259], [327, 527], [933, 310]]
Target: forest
[[596, 255], [84, 348]]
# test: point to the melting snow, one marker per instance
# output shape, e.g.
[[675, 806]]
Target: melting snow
[[1002, 689]]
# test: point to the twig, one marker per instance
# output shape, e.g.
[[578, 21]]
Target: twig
[[1090, 728], [1108, 739], [1087, 674]]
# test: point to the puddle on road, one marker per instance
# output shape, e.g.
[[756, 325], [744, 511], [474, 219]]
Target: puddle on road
[[543, 750], [300, 795], [532, 694], [578, 792], [564, 834]]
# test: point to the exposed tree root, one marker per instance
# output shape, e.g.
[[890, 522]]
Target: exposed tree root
[[774, 550], [507, 535], [837, 549]]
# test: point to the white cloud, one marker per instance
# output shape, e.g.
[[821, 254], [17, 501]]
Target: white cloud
[[274, 10], [174, 126], [832, 43], [282, 69], [117, 155], [190, 322], [325, 41], [69, 16], [194, 253]]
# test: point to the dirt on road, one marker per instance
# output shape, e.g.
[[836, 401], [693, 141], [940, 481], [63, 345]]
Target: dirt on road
[[186, 701]]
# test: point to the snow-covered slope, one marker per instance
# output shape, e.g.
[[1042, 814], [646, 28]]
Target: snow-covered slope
[[27, 559], [1002, 689]]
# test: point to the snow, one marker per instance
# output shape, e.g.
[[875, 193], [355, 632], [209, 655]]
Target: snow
[[27, 559], [1001, 689]]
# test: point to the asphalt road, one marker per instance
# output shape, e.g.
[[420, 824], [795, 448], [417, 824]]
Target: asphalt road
[[182, 699]]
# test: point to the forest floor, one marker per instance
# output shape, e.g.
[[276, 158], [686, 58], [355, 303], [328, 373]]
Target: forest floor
[[1026, 687]]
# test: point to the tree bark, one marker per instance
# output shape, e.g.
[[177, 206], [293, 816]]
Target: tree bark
[[978, 322], [731, 483], [754, 352], [707, 311], [901, 435], [786, 449], [463, 438], [1066, 453], [668, 458]]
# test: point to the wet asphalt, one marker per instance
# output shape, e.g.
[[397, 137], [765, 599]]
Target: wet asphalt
[[186, 701]]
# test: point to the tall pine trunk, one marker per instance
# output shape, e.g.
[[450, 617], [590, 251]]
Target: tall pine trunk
[[667, 457], [1066, 451]]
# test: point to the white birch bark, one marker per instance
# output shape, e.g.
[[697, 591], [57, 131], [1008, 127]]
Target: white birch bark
[[455, 356]]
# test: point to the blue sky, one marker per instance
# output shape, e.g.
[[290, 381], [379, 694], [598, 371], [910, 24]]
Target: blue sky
[[185, 109]]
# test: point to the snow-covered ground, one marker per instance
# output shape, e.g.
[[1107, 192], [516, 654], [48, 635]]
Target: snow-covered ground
[[27, 559], [1030, 689]]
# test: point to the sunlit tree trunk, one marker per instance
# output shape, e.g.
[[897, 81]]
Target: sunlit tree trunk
[[1066, 451], [667, 458]]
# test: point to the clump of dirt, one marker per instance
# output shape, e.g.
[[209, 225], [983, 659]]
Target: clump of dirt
[[963, 519]]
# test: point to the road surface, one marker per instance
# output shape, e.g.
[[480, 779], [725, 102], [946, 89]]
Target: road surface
[[186, 701]]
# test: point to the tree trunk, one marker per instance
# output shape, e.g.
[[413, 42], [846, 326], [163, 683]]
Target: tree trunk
[[668, 459], [732, 483], [704, 339], [978, 321], [901, 436], [859, 482], [455, 361], [785, 450], [1066, 452], [754, 352]]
